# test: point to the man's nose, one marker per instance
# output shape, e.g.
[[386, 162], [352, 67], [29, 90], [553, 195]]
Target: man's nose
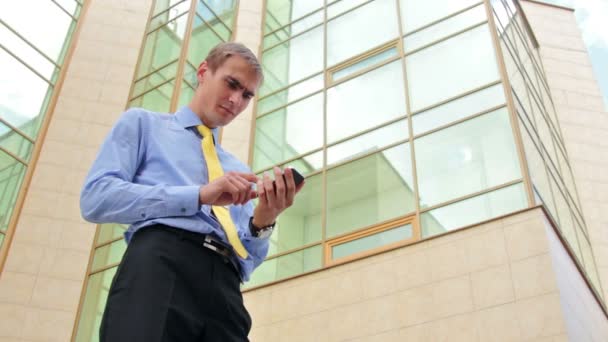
[[235, 97]]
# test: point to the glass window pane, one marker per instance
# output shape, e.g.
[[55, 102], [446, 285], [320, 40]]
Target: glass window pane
[[157, 100], [162, 46], [298, 26], [369, 190], [472, 156], [445, 28], [451, 67], [566, 224], [342, 6], [205, 18], [282, 12], [163, 18], [289, 132], [473, 210], [306, 260], [369, 242], [458, 109], [367, 143], [110, 231], [94, 305], [300, 224], [366, 101], [108, 255], [307, 164], [347, 36], [368, 62], [293, 60], [11, 177], [290, 94], [15, 143], [416, 13], [26, 53], [164, 74]]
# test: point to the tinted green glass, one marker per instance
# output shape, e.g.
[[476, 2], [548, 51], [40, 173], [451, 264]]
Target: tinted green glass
[[306, 260], [15, 143], [451, 67], [290, 94], [369, 190], [162, 46], [154, 80], [94, 304], [473, 210], [366, 101], [11, 177], [370, 242], [282, 12], [307, 164], [347, 37], [295, 28], [158, 100], [110, 231], [160, 19], [416, 13], [108, 255], [472, 156], [300, 224], [366, 63]]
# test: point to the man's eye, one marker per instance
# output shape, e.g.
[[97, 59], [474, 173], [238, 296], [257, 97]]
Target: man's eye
[[232, 85], [247, 96]]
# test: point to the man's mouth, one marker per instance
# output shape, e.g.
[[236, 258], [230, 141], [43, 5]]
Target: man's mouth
[[227, 110]]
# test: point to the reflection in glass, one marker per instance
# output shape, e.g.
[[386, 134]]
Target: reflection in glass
[[369, 242], [108, 255], [367, 143], [110, 231], [451, 67], [290, 94], [295, 28], [347, 37], [458, 109], [370, 190], [472, 156], [306, 260], [288, 132], [300, 224], [442, 29], [94, 304], [366, 63], [416, 14], [366, 101], [282, 12], [11, 176], [473, 210]]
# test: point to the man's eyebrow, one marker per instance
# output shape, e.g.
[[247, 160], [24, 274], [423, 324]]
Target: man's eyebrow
[[238, 84]]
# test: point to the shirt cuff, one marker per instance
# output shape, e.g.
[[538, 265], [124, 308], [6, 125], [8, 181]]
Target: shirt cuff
[[183, 200]]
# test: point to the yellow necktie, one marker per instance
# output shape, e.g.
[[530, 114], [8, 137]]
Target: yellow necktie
[[215, 171]]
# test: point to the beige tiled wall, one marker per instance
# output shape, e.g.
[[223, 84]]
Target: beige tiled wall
[[493, 282], [236, 136], [582, 115], [42, 280]]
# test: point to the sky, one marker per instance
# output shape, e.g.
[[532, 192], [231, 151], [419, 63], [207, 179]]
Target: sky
[[592, 16]]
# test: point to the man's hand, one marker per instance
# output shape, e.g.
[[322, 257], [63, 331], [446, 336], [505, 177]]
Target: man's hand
[[273, 201], [231, 188]]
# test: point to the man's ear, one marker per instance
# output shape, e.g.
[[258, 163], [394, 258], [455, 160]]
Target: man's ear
[[202, 69]]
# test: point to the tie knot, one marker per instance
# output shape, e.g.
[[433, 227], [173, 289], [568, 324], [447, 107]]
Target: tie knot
[[204, 130]]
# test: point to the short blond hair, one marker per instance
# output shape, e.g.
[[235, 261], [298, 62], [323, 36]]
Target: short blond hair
[[221, 52]]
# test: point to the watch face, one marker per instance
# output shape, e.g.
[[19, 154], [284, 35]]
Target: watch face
[[265, 233]]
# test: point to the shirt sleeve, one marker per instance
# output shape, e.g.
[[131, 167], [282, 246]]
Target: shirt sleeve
[[109, 195], [256, 247]]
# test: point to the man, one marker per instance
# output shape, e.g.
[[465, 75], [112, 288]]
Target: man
[[194, 234]]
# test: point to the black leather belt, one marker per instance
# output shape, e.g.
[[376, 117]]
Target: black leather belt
[[209, 242]]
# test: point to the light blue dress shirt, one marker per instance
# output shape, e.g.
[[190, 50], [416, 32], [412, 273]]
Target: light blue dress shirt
[[149, 171]]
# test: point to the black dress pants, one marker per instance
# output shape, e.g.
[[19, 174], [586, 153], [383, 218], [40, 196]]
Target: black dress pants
[[169, 288]]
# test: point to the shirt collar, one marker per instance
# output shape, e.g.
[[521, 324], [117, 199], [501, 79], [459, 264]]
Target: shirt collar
[[187, 118]]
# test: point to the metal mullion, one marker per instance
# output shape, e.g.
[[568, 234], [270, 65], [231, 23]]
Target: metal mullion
[[210, 27], [332, 83], [456, 97], [165, 24], [452, 35], [323, 172], [350, 10], [499, 59], [293, 250], [217, 16], [102, 269], [291, 37], [17, 158], [30, 44], [475, 194], [26, 65], [166, 10], [17, 130], [459, 121], [156, 86], [368, 130], [108, 242], [291, 23], [179, 76], [156, 70], [373, 229], [290, 85], [64, 10], [289, 103], [435, 22], [151, 89]]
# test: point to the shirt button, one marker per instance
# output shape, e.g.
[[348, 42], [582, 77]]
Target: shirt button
[[143, 215], [183, 210]]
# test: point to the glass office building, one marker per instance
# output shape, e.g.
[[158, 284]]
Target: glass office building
[[440, 195]]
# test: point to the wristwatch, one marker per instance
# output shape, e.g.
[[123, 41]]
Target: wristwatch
[[261, 232]]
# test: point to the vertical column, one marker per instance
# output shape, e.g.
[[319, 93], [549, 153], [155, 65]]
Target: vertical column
[[581, 114], [42, 279], [236, 137]]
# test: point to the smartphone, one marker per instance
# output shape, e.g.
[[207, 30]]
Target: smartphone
[[297, 177]]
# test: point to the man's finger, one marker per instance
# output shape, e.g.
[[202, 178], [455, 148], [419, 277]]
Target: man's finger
[[250, 177]]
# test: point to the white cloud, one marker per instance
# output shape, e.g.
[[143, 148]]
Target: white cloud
[[591, 15]]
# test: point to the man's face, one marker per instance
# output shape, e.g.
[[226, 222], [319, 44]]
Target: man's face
[[225, 92]]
